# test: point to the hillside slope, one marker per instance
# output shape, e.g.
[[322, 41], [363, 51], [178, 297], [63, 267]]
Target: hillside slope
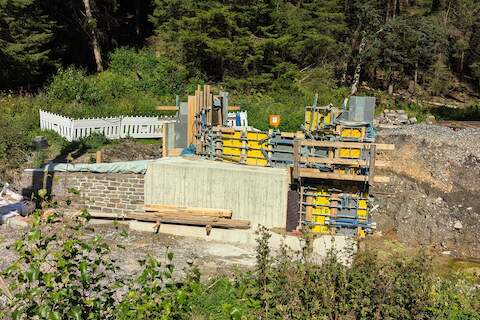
[[433, 198]]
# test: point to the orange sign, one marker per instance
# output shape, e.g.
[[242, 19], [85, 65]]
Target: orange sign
[[274, 120]]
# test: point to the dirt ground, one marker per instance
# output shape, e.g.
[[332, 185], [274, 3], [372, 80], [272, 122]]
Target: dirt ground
[[212, 258], [433, 197], [126, 150]]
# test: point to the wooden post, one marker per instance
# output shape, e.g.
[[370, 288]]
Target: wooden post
[[164, 141], [190, 119], [243, 152], [197, 120], [270, 147], [296, 158], [98, 156], [208, 106], [309, 209], [371, 168]]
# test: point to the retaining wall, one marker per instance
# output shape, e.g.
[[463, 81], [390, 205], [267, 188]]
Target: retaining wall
[[252, 193], [102, 192]]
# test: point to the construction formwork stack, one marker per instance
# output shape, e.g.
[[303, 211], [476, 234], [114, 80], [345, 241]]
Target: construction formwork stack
[[333, 157]]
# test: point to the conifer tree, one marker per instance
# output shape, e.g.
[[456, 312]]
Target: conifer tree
[[26, 32]]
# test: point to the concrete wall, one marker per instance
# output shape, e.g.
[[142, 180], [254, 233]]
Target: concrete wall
[[101, 192], [252, 193], [344, 247]]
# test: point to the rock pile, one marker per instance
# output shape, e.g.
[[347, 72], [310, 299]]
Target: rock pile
[[432, 198], [395, 118]]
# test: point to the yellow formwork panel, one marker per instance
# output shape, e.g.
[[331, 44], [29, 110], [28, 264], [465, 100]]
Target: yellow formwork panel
[[234, 143], [350, 153], [318, 117], [321, 211], [351, 133], [362, 209]]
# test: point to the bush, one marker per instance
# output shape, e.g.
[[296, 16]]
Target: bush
[[61, 274], [134, 84], [73, 85], [289, 104], [156, 75]]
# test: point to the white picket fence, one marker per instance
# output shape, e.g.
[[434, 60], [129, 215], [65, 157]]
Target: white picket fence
[[112, 128]]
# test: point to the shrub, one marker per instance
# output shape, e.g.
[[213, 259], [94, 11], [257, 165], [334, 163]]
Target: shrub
[[156, 75], [289, 104], [73, 85], [61, 274]]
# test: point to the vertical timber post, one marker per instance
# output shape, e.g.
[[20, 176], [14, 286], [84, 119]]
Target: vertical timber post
[[164, 141]]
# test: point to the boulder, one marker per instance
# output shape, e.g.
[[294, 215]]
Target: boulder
[[458, 225], [403, 118], [430, 119]]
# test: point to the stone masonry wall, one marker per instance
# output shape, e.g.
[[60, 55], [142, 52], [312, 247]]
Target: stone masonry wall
[[101, 192]]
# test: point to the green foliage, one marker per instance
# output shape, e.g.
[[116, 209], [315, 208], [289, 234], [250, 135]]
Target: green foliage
[[269, 39], [440, 79], [153, 74], [135, 84], [290, 102], [62, 274], [25, 42], [73, 86], [18, 124]]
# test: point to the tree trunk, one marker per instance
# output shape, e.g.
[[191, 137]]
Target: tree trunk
[[390, 88], [358, 68], [344, 73], [437, 5], [416, 76], [139, 13], [97, 53], [462, 61]]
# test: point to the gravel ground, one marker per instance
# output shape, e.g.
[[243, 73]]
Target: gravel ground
[[210, 257], [433, 198]]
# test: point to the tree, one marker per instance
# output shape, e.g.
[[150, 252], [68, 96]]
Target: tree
[[26, 33], [92, 26]]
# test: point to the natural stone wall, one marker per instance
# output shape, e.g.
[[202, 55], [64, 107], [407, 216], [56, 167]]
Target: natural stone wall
[[103, 192]]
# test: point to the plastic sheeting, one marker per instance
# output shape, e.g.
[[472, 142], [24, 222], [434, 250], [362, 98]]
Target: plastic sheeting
[[139, 166]]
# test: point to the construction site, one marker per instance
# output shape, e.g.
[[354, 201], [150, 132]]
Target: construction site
[[219, 179]]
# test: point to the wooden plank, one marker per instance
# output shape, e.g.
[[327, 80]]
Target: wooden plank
[[382, 163], [176, 219], [343, 144], [315, 173], [234, 108], [191, 211], [227, 130], [196, 221], [381, 179], [300, 135], [288, 134], [348, 162], [166, 108], [384, 146]]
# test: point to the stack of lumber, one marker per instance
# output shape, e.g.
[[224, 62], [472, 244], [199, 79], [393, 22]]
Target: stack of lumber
[[190, 216]]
